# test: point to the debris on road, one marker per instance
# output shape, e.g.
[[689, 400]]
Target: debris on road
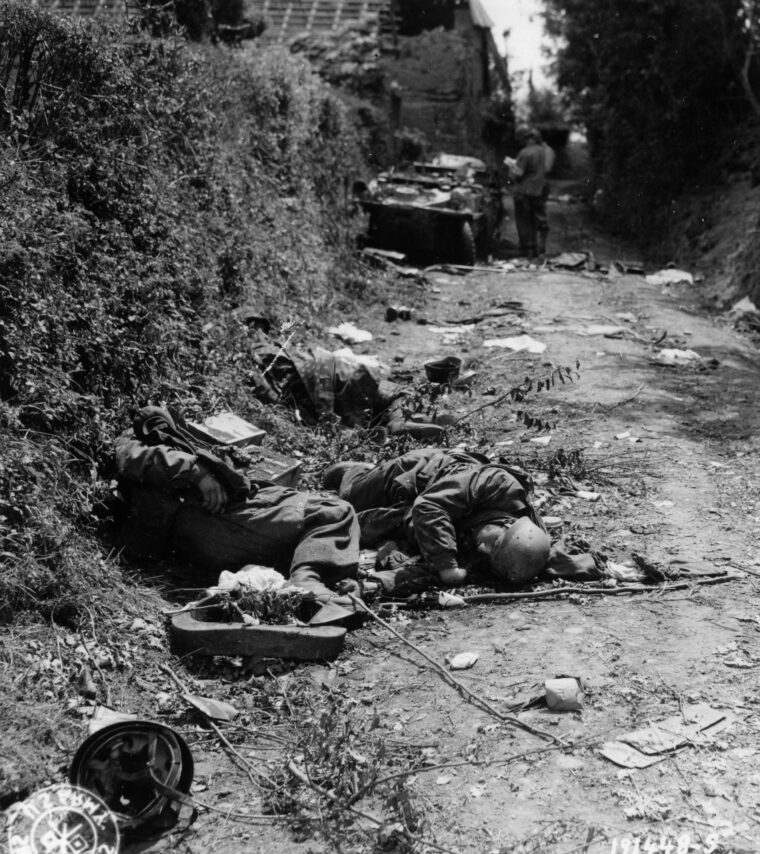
[[570, 260], [516, 343], [541, 440], [670, 276], [443, 370], [398, 312], [564, 694], [644, 747], [677, 357], [350, 333], [251, 578], [463, 660], [599, 329], [450, 600], [632, 267], [210, 708], [587, 495], [744, 306]]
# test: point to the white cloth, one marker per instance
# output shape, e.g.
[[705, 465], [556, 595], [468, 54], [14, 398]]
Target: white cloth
[[251, 577]]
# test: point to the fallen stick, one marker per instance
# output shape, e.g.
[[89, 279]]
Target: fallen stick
[[608, 591], [628, 330], [463, 689], [624, 400], [408, 772]]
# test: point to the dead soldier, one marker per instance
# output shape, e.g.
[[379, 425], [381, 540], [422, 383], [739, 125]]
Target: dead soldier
[[449, 504], [187, 501]]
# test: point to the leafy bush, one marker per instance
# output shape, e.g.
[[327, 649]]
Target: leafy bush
[[149, 189]]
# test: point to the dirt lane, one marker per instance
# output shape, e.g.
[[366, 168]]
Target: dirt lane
[[687, 486]]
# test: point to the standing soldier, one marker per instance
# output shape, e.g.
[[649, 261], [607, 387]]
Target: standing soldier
[[528, 174]]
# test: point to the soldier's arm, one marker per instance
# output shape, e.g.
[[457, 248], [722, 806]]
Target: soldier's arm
[[157, 466], [434, 517]]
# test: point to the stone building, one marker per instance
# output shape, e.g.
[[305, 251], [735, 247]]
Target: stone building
[[438, 59]]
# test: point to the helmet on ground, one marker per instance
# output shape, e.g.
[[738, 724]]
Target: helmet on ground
[[521, 553]]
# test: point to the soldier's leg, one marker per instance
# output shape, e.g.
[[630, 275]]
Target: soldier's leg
[[541, 222], [314, 539], [264, 529], [526, 235], [328, 549]]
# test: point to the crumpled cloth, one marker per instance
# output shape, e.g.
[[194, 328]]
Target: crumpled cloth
[[251, 578]]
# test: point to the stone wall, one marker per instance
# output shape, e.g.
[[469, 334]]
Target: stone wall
[[439, 75]]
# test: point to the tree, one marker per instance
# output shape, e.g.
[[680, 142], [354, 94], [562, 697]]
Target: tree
[[654, 81]]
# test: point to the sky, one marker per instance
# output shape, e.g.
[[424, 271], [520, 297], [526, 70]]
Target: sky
[[523, 19]]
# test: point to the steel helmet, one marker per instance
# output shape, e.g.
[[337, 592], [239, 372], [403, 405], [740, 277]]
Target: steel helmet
[[521, 553]]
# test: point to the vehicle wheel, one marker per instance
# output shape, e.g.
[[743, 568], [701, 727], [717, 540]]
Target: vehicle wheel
[[466, 246]]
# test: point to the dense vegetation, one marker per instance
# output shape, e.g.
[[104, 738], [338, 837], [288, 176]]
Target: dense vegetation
[[150, 188], [660, 85]]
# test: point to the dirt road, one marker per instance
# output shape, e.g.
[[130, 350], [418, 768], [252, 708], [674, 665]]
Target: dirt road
[[674, 453]]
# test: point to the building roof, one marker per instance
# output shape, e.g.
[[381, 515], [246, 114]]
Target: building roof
[[89, 8], [288, 18]]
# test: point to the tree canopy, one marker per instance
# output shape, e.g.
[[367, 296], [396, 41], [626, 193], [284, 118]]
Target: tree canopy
[[655, 82]]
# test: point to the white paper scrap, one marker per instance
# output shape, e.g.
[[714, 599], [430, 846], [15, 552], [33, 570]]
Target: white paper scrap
[[516, 343]]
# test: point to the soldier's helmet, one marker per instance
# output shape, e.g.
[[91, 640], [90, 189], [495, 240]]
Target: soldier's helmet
[[521, 553]]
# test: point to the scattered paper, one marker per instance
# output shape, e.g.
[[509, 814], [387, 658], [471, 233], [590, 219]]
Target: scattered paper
[[677, 357], [103, 717], [598, 329], [350, 334], [450, 600], [464, 660], [516, 343], [587, 496], [625, 573], [669, 277], [743, 306], [541, 440], [450, 330], [214, 709], [655, 743]]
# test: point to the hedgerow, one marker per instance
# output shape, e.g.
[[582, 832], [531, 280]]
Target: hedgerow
[[149, 188]]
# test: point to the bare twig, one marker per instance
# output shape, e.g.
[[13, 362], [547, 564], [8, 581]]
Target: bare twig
[[627, 329], [609, 591], [469, 762], [463, 689], [304, 778], [624, 400]]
